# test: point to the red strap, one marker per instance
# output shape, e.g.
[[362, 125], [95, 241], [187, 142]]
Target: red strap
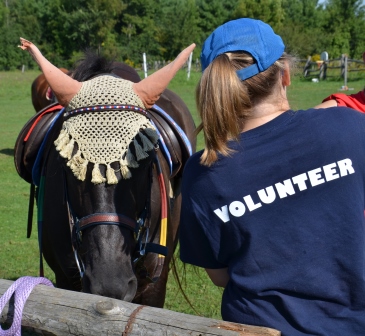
[[51, 109]]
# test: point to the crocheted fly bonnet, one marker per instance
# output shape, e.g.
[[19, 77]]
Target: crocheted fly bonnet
[[106, 132]]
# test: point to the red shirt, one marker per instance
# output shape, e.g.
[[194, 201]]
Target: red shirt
[[355, 101]]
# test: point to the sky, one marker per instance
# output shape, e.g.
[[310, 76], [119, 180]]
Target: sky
[[322, 1]]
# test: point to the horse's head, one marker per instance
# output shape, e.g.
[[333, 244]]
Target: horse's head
[[109, 155], [108, 164]]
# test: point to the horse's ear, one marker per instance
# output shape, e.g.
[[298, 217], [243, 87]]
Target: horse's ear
[[150, 88], [63, 86]]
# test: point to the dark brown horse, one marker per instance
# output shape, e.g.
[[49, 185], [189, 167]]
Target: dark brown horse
[[123, 260]]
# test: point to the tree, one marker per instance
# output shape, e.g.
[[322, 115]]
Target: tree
[[345, 26], [213, 13], [67, 27], [269, 11], [179, 26], [139, 29], [4, 12], [11, 29], [302, 31]]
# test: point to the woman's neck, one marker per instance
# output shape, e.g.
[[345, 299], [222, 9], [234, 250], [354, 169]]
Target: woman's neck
[[267, 110]]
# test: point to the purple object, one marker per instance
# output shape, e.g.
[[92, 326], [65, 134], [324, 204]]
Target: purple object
[[21, 288]]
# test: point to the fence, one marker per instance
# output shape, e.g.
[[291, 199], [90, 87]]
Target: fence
[[55, 311], [339, 67]]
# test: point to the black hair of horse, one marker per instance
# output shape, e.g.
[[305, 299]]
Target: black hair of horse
[[93, 64]]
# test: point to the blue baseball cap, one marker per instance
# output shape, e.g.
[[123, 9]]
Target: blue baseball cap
[[249, 35]]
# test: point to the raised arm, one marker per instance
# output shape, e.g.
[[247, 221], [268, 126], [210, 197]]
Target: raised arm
[[63, 86]]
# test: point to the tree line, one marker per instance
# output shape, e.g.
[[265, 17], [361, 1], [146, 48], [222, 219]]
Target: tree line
[[125, 29]]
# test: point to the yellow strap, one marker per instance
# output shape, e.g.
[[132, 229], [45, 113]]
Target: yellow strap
[[163, 235]]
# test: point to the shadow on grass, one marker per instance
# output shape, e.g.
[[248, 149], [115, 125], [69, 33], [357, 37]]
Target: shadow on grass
[[7, 151]]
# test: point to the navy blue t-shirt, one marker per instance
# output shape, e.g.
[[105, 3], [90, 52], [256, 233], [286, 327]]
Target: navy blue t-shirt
[[285, 214]]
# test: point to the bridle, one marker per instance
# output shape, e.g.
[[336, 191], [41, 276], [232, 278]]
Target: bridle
[[140, 227]]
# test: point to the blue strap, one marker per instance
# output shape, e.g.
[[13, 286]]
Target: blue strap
[[155, 248], [181, 132], [248, 72], [37, 167]]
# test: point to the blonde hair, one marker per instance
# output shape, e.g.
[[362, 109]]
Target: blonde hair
[[224, 101]]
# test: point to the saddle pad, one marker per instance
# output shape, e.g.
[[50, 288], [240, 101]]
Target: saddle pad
[[30, 140]]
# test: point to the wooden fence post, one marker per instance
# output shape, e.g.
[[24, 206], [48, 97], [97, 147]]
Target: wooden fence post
[[61, 312], [307, 67], [323, 71], [343, 69]]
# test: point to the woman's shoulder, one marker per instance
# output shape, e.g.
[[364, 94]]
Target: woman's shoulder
[[195, 170], [340, 121], [193, 162], [332, 112]]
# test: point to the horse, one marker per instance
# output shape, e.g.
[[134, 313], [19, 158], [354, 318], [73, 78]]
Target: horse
[[129, 259], [42, 95]]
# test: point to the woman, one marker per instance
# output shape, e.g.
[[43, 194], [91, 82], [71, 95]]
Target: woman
[[273, 205]]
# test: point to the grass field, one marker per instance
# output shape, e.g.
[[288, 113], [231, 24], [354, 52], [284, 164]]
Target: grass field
[[19, 255]]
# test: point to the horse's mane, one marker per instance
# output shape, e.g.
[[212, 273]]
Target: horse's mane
[[91, 65]]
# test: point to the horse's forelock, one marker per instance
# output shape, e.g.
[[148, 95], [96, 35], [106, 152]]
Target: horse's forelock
[[91, 65]]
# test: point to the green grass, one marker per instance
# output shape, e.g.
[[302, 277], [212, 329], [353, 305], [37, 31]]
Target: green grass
[[19, 255]]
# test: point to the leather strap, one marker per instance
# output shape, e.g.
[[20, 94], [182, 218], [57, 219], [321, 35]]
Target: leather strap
[[30, 209], [107, 218]]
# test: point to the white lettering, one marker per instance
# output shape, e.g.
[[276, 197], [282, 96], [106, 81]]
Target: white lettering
[[250, 203], [284, 189], [315, 177], [299, 180], [267, 195], [345, 167], [237, 208], [330, 172], [222, 213]]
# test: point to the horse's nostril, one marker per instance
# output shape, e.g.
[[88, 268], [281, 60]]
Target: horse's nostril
[[121, 290], [131, 290]]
